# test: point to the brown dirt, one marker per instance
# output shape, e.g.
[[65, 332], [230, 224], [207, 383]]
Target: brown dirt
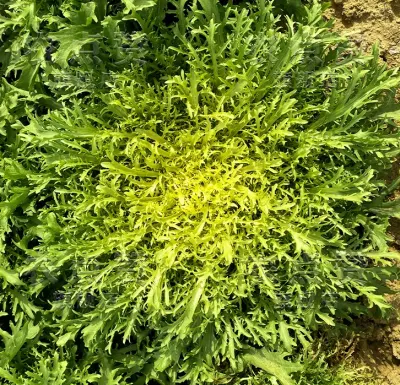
[[378, 345], [367, 22]]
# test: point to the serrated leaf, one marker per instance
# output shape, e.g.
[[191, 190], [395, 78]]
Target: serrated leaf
[[71, 40], [138, 5], [90, 331], [65, 338], [285, 337], [273, 363], [11, 277], [134, 171], [326, 318]]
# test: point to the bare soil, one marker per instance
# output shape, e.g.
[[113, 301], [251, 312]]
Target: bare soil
[[367, 22], [378, 345]]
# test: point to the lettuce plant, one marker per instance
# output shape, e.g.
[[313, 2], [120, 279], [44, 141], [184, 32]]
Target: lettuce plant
[[202, 212]]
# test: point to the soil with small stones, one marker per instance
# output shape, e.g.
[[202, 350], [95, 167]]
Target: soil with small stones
[[367, 22]]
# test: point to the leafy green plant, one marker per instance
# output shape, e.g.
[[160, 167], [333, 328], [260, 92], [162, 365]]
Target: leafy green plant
[[199, 213]]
